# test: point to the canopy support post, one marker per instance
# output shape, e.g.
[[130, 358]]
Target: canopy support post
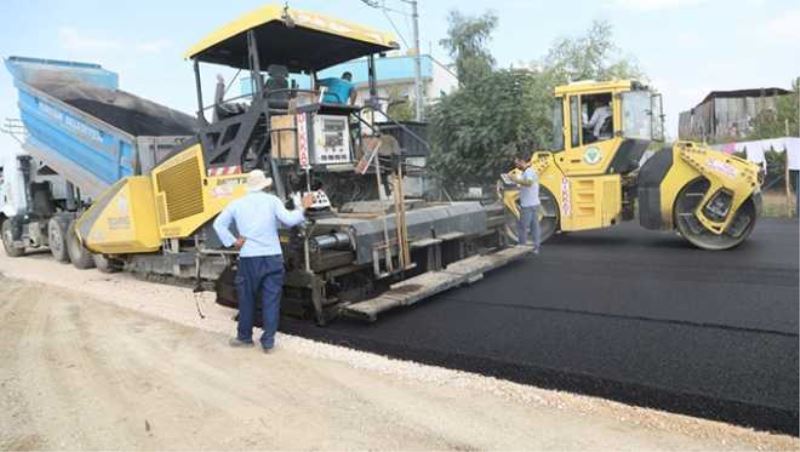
[[201, 116], [255, 63], [373, 88]]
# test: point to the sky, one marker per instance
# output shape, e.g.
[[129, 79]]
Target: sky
[[686, 47]]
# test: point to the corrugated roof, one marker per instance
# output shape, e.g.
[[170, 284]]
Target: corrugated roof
[[751, 92]]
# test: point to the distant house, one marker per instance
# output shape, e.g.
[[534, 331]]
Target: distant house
[[726, 115], [395, 79]]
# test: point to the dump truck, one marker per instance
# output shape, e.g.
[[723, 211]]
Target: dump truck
[[593, 178], [365, 247], [80, 134]]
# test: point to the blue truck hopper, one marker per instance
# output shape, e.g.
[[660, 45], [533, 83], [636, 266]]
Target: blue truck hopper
[[84, 130]]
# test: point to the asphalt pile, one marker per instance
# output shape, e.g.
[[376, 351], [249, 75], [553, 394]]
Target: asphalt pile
[[125, 111]]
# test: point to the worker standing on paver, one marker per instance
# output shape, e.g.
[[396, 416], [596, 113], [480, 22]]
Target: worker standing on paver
[[260, 275], [339, 90], [528, 182]]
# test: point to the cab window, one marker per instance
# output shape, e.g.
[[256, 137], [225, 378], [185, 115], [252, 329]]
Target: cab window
[[575, 120], [558, 126], [597, 115]]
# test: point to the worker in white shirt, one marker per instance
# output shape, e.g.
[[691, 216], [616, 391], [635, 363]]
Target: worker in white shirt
[[596, 123], [257, 216], [528, 182]]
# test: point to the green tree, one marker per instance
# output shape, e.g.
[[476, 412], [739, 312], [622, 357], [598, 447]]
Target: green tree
[[591, 56], [774, 123], [399, 106], [476, 131], [467, 38]]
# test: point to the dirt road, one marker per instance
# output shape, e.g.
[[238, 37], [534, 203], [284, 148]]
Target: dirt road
[[99, 362]]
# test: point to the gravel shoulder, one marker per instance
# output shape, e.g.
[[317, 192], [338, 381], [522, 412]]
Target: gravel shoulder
[[95, 361]]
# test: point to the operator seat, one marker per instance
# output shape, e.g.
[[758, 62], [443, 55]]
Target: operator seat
[[222, 109], [277, 86]]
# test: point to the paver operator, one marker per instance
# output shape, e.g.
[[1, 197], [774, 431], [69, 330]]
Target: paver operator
[[257, 216]]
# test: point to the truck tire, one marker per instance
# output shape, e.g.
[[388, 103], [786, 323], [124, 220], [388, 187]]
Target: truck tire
[[106, 264], [81, 257], [12, 250], [57, 229]]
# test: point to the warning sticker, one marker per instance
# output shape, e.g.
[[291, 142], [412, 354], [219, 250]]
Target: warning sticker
[[566, 204], [302, 141]]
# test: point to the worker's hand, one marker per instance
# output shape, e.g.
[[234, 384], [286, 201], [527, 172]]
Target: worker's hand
[[239, 243], [308, 200]]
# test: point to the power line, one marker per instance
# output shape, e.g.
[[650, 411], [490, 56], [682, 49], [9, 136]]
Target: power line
[[389, 18], [417, 51]]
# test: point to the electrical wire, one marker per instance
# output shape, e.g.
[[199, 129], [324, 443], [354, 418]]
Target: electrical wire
[[389, 18], [385, 10]]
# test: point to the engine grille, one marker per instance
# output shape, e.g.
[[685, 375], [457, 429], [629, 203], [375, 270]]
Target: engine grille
[[183, 189]]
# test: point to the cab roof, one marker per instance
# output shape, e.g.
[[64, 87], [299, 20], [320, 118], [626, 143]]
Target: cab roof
[[299, 40], [593, 86]]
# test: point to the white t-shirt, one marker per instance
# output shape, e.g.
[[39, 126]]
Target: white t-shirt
[[529, 195], [598, 119]]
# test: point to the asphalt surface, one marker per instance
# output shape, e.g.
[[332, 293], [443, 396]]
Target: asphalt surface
[[626, 314]]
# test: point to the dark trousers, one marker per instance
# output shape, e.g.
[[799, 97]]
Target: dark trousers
[[259, 278]]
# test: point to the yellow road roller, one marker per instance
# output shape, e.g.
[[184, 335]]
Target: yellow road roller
[[604, 167]]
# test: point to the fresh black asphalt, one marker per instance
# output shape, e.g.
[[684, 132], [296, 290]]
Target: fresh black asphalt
[[626, 314]]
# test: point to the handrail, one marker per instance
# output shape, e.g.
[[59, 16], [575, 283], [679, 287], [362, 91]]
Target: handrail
[[402, 126], [266, 94]]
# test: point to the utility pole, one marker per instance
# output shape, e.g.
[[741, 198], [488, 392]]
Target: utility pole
[[417, 63], [418, 89]]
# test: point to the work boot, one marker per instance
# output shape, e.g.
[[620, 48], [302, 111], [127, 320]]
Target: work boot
[[236, 343]]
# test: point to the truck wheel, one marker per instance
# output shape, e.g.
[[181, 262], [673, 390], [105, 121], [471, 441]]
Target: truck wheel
[[106, 264], [12, 250], [549, 220], [81, 257], [57, 229]]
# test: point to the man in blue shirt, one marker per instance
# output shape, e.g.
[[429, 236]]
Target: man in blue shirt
[[257, 216], [339, 90], [529, 203]]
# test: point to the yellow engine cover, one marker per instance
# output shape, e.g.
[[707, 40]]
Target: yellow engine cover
[[186, 197], [590, 202], [123, 220], [138, 213]]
